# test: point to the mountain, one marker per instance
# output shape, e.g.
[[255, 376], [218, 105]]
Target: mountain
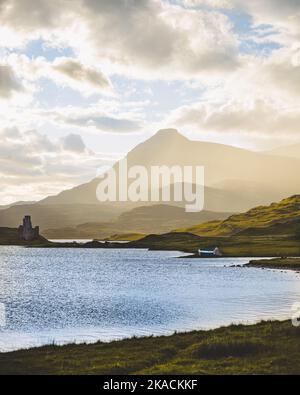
[[221, 162], [235, 180], [146, 219], [20, 203], [163, 218], [290, 151], [57, 216], [281, 218]]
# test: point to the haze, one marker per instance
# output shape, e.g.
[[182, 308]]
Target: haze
[[83, 82]]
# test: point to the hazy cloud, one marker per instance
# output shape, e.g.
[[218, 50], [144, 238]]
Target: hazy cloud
[[144, 37], [80, 76], [156, 38], [259, 117], [8, 82], [63, 71], [283, 15], [73, 142], [210, 3], [33, 165], [245, 77], [98, 122]]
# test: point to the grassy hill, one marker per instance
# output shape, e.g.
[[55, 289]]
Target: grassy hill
[[281, 218], [264, 348], [272, 230]]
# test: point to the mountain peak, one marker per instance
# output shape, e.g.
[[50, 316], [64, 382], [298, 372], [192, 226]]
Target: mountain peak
[[168, 135], [168, 132]]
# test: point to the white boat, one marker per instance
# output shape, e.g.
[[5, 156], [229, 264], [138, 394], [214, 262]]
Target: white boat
[[210, 253]]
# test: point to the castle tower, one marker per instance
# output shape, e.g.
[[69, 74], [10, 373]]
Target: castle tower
[[26, 231]]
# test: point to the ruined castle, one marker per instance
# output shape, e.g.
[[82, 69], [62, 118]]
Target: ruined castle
[[26, 231]]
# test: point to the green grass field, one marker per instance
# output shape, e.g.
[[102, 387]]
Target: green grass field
[[264, 348]]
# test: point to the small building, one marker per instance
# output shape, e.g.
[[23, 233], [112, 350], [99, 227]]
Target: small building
[[26, 231], [216, 253]]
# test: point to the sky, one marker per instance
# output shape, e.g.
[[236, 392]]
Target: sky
[[84, 81]]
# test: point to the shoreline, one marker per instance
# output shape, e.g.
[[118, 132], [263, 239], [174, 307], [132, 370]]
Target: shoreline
[[292, 264], [189, 243], [235, 349], [264, 262]]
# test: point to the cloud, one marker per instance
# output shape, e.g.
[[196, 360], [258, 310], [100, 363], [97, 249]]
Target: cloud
[[106, 124], [260, 98], [9, 84], [63, 71], [80, 77], [73, 142], [22, 21], [283, 15], [281, 73], [153, 38], [32, 165], [94, 119], [209, 3], [30, 14], [258, 117], [144, 38]]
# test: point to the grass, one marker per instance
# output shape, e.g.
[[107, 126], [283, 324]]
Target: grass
[[277, 218], [277, 263], [264, 348], [238, 246]]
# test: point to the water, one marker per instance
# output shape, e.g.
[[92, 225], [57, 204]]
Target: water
[[85, 295]]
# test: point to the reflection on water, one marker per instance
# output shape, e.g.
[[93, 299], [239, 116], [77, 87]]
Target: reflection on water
[[66, 295]]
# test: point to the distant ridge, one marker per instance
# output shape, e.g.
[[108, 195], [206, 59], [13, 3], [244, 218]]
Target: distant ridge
[[145, 219], [20, 203]]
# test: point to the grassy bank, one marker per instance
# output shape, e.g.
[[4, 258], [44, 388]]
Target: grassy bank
[[233, 246], [277, 263], [264, 348]]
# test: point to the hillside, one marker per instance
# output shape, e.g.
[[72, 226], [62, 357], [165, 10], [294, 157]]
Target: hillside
[[146, 219], [290, 151], [53, 216], [20, 203], [278, 218]]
